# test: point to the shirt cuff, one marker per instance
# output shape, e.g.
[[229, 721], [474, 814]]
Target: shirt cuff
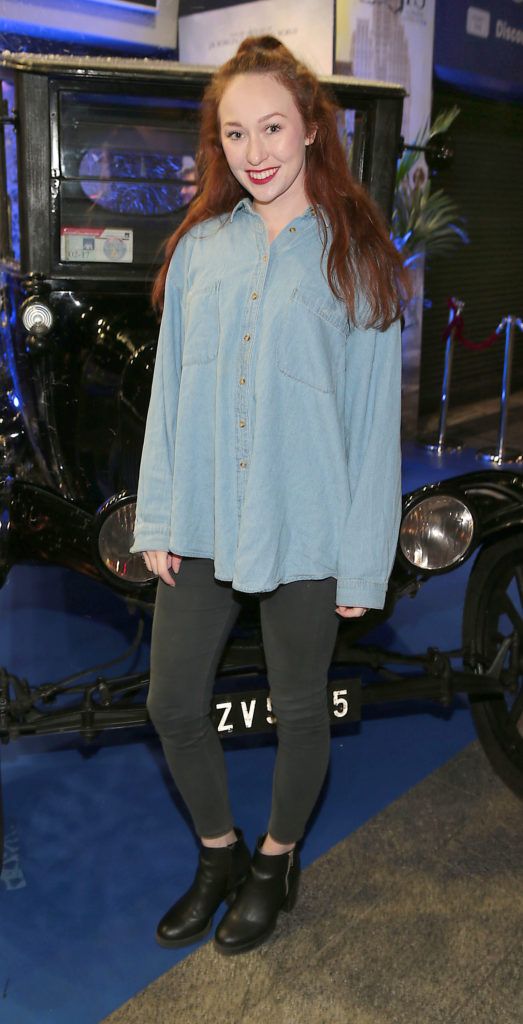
[[360, 593], [150, 538]]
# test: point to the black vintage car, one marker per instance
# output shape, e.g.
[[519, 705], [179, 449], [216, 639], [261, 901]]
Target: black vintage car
[[97, 165]]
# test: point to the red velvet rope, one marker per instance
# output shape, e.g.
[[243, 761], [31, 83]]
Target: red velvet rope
[[457, 325]]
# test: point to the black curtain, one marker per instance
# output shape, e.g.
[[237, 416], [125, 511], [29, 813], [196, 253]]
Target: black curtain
[[485, 178]]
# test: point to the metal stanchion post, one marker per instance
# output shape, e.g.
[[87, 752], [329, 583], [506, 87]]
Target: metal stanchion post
[[500, 454], [442, 445]]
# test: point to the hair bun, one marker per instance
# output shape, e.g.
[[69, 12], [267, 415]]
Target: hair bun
[[252, 43]]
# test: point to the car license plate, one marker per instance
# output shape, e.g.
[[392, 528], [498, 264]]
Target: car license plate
[[241, 712]]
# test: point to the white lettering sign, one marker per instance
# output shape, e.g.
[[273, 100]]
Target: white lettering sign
[[248, 712], [341, 704], [271, 719], [12, 876], [478, 22], [224, 725], [508, 32]]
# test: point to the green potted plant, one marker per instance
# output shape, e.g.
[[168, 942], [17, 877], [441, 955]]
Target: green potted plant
[[425, 221]]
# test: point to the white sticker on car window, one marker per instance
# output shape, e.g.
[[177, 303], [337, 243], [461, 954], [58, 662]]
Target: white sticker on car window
[[96, 245]]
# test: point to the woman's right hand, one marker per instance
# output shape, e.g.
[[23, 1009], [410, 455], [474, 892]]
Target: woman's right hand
[[161, 563]]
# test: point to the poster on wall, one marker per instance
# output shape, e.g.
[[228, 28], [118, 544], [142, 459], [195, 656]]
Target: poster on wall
[[305, 26], [391, 41], [480, 46]]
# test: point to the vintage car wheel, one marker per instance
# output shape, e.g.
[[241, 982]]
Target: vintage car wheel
[[493, 629]]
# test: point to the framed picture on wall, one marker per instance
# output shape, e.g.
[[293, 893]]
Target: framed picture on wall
[[143, 25], [148, 5]]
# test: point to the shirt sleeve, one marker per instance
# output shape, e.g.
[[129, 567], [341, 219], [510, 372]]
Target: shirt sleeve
[[153, 510], [373, 448]]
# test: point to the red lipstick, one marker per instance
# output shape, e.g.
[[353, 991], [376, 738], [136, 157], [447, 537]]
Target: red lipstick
[[253, 175]]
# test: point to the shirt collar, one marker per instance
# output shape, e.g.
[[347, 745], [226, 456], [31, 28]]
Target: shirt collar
[[243, 204], [246, 204]]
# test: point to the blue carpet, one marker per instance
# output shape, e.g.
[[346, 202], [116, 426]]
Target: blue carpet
[[97, 844]]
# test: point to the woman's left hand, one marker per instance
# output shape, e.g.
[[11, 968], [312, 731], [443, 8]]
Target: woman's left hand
[[348, 612]]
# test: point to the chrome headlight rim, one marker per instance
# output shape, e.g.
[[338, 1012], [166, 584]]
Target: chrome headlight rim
[[110, 508], [451, 496], [36, 316]]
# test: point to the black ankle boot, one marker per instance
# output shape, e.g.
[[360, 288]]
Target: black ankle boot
[[220, 872], [271, 886]]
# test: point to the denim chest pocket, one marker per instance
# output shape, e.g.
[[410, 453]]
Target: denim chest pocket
[[202, 325], [311, 346]]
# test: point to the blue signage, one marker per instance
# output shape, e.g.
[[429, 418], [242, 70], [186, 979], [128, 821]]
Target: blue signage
[[479, 46]]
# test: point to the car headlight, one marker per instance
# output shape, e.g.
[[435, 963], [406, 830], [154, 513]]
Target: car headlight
[[114, 536], [37, 318], [437, 532]]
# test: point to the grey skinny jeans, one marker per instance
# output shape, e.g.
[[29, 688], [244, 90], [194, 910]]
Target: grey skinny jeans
[[192, 622]]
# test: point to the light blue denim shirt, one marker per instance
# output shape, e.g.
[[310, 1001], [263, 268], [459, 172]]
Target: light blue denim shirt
[[272, 443]]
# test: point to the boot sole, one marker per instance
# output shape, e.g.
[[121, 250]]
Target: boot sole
[[187, 941], [287, 907], [246, 946]]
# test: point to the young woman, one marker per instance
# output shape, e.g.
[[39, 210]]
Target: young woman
[[271, 461]]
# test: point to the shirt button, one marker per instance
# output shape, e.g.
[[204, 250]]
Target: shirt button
[[246, 337], [242, 423], [265, 258], [243, 464], [254, 295], [292, 229], [242, 380]]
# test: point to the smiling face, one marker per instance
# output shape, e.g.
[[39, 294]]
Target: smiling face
[[264, 142]]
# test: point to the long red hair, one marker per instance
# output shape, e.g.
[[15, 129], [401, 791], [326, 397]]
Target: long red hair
[[361, 254]]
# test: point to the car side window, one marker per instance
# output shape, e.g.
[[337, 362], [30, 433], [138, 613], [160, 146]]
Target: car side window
[[127, 174]]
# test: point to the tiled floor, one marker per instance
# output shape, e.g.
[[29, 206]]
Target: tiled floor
[[415, 918]]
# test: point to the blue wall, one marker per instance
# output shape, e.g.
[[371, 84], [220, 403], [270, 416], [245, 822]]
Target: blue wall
[[480, 48]]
